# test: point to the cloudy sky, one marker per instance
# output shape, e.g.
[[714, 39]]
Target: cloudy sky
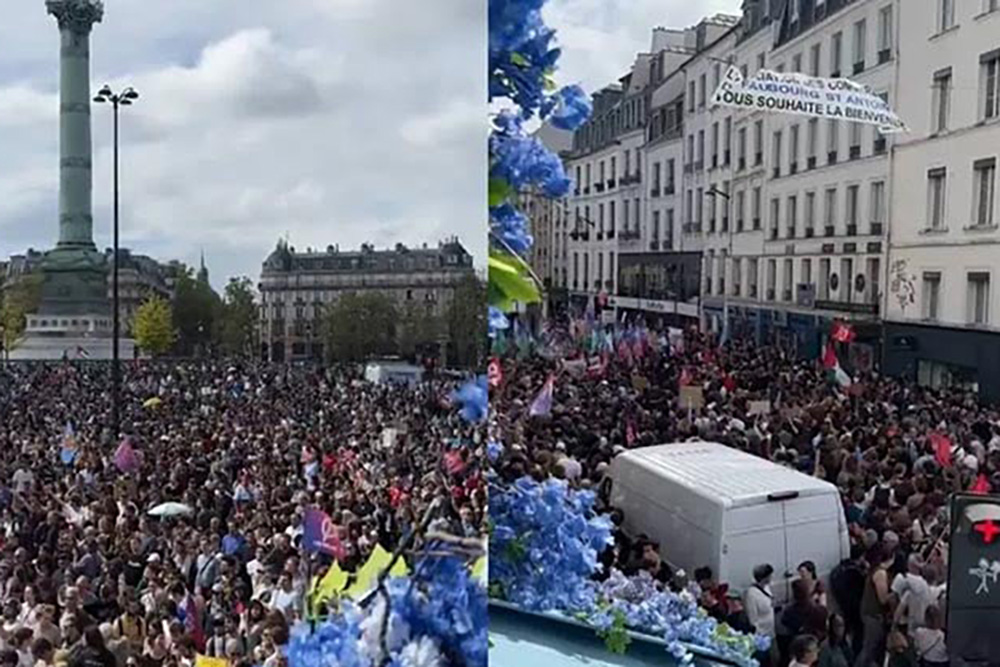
[[332, 121], [601, 37]]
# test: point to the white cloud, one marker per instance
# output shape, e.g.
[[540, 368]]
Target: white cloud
[[341, 121], [600, 38]]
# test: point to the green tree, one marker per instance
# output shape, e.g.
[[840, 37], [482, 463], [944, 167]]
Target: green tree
[[18, 298], [419, 326], [237, 319], [466, 322], [153, 327], [359, 326], [195, 312]]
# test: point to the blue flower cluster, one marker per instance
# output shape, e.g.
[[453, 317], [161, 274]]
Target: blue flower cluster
[[524, 161], [521, 54], [522, 59], [545, 544], [543, 552], [438, 616]]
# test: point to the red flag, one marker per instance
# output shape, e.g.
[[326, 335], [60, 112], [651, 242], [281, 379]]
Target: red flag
[[685, 377], [830, 357], [942, 449], [494, 372], [981, 486], [728, 382], [842, 333]]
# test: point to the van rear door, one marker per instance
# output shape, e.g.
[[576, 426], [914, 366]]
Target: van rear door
[[812, 532], [753, 535]]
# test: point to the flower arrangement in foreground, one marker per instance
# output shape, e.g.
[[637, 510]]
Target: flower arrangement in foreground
[[521, 64], [433, 618], [544, 548]]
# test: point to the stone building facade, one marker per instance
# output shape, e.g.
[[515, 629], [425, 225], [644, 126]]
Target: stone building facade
[[296, 287]]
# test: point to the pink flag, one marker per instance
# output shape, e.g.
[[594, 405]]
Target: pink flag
[[126, 459], [942, 448], [542, 405]]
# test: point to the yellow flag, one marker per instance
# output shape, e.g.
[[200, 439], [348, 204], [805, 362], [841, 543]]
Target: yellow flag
[[480, 570], [367, 575], [205, 661], [400, 569], [331, 585]]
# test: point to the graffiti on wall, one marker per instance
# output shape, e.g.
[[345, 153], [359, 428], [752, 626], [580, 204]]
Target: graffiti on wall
[[902, 284]]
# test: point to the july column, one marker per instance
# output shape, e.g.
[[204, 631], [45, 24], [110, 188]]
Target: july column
[[76, 18]]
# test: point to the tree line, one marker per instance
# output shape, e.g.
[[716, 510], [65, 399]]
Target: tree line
[[198, 321]]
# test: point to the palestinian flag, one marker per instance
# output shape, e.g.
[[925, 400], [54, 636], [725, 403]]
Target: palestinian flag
[[832, 365]]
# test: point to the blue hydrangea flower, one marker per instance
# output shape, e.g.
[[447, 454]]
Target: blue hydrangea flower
[[573, 108], [512, 227], [497, 321], [525, 162]]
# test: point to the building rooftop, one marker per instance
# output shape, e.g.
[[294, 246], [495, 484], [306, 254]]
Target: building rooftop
[[448, 255]]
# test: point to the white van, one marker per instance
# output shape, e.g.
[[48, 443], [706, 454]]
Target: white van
[[708, 504]]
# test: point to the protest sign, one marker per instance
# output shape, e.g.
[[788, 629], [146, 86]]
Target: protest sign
[[575, 367], [692, 398], [794, 93], [640, 383], [759, 408]]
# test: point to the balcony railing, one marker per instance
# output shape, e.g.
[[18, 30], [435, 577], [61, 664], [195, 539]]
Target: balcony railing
[[876, 229], [811, 162], [829, 230], [654, 192], [852, 230], [599, 187], [611, 183], [654, 245], [831, 157], [855, 152]]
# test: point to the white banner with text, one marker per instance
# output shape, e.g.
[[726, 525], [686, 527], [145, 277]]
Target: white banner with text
[[837, 99]]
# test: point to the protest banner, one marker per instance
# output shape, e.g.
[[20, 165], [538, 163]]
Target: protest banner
[[692, 398], [575, 367], [794, 93], [759, 408]]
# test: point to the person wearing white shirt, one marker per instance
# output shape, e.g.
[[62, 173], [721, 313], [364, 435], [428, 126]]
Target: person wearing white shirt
[[914, 595], [929, 640], [759, 601]]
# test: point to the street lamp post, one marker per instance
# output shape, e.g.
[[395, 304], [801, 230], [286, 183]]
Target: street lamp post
[[715, 192], [125, 98]]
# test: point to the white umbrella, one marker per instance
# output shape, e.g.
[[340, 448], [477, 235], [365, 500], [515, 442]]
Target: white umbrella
[[170, 509]]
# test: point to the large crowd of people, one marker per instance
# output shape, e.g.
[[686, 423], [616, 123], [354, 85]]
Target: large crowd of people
[[877, 440], [88, 577]]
